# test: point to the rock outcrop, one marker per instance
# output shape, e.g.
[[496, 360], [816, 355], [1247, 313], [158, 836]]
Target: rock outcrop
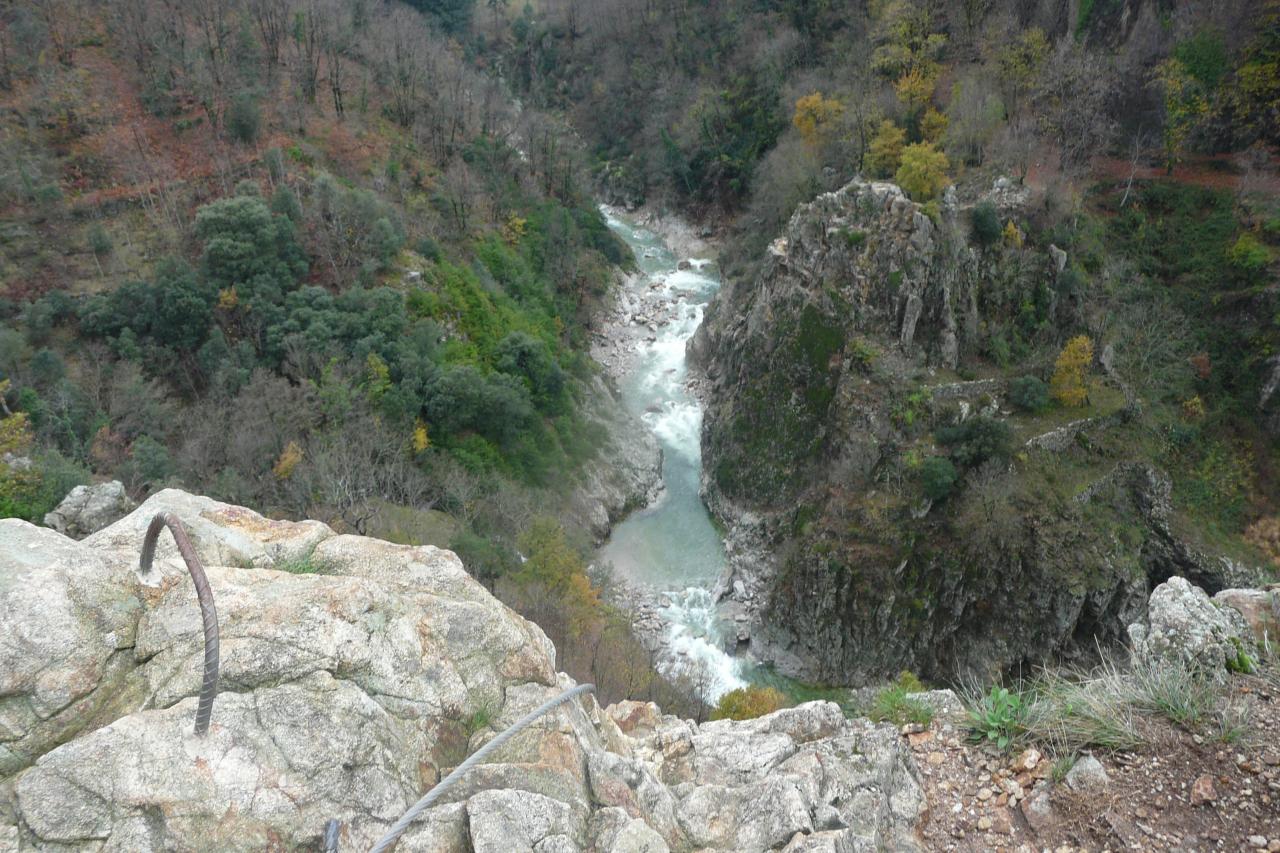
[[355, 673], [1188, 630], [828, 379], [88, 509]]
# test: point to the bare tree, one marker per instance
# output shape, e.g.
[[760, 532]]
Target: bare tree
[[271, 17]]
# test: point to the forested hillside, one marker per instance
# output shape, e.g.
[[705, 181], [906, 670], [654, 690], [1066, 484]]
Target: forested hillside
[[310, 257]]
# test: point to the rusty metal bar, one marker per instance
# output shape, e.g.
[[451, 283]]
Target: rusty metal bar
[[208, 613]]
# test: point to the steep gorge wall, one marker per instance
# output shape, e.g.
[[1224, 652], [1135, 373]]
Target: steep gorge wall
[[825, 376]]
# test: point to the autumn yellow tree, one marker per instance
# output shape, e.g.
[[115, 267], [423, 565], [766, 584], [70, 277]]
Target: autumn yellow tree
[[553, 564], [933, 126], [1069, 371], [914, 90], [884, 154], [923, 172], [816, 117]]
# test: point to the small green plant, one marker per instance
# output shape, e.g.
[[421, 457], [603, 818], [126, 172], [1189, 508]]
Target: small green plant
[[301, 564], [893, 704], [479, 720], [1242, 661], [862, 354], [1061, 767], [853, 238], [998, 717]]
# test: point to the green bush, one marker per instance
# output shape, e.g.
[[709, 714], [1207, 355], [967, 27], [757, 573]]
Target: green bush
[[1248, 254], [938, 476], [985, 225], [1029, 394], [747, 703], [99, 240], [976, 440]]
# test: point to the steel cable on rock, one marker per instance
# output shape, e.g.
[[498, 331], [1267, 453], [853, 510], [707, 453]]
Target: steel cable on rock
[[208, 613], [393, 834]]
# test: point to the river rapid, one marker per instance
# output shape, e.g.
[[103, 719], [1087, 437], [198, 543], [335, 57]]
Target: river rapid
[[670, 553]]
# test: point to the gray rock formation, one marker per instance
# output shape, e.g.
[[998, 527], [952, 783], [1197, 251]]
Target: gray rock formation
[[1185, 628], [827, 381], [88, 509], [350, 684]]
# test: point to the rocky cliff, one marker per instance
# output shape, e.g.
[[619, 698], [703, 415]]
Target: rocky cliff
[[828, 376], [355, 673]]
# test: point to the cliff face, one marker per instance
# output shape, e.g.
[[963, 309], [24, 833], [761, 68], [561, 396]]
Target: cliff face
[[827, 377], [355, 674]]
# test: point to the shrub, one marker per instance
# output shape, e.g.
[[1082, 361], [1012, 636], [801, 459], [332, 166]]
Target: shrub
[[1029, 394], [985, 225], [99, 239], [1248, 254], [938, 476], [977, 440], [746, 703]]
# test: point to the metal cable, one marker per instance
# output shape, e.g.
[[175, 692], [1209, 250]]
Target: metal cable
[[388, 840], [208, 613]]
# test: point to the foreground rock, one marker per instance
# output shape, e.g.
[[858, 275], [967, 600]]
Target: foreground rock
[[88, 509], [350, 685]]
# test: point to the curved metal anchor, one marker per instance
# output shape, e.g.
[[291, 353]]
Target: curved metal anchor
[[208, 613]]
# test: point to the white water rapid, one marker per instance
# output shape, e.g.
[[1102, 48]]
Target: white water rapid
[[671, 547]]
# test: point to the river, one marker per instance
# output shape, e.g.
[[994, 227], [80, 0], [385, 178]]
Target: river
[[672, 547]]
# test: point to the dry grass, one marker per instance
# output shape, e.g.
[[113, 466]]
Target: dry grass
[[1117, 708]]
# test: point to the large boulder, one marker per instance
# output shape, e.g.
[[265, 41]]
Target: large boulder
[[1260, 609], [354, 675], [88, 509], [1185, 628], [69, 616]]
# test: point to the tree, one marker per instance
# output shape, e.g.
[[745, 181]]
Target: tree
[[885, 152], [923, 172], [985, 225], [1069, 371], [1018, 65], [914, 90], [816, 117], [938, 477], [1185, 105], [249, 249]]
